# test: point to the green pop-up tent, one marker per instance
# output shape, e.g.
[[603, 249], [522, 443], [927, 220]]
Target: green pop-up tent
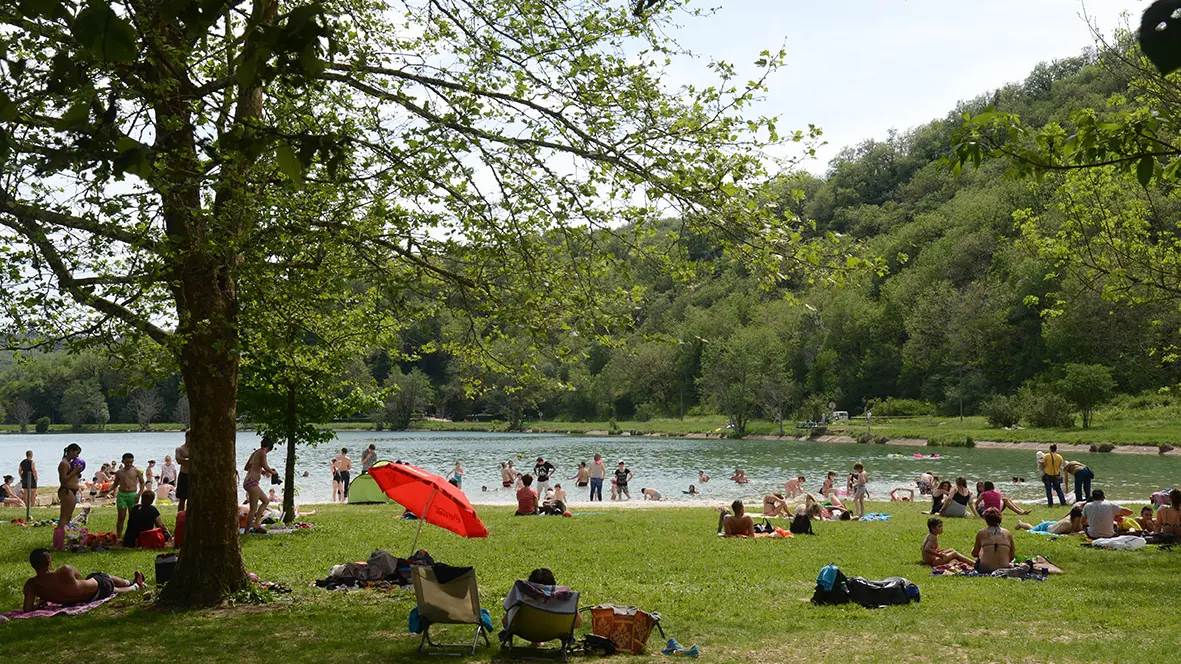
[[363, 489]]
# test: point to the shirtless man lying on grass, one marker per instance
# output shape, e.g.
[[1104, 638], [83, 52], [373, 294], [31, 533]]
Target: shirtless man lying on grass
[[738, 523], [65, 584]]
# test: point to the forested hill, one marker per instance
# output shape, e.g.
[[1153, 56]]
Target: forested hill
[[961, 314]]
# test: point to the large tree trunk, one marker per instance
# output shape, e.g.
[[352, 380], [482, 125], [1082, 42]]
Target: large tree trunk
[[289, 471], [210, 565]]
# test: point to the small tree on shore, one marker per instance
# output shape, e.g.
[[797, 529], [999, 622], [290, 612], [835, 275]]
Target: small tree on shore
[[22, 414], [1086, 386], [146, 405]]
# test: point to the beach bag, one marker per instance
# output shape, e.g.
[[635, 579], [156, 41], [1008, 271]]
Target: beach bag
[[888, 592], [151, 539], [801, 524], [178, 536], [764, 528], [165, 564], [831, 586], [628, 627]]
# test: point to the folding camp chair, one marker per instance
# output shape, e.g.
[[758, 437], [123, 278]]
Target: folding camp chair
[[452, 599], [538, 614]]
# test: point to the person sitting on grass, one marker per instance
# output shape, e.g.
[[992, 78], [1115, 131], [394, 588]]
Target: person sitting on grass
[[994, 547], [526, 497], [143, 517], [932, 554], [1100, 515], [774, 505], [8, 494], [894, 498], [1168, 518], [736, 523], [991, 498], [1146, 520], [66, 586]]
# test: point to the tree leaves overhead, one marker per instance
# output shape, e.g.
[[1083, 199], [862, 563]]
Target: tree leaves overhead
[[108, 36]]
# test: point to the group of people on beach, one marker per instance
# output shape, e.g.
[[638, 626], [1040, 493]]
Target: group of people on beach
[[536, 496]]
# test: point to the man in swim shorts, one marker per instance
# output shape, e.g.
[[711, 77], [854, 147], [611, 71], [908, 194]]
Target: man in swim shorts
[[129, 483], [65, 584], [344, 466]]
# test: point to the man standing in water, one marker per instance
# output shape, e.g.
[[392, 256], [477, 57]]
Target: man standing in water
[[129, 484], [182, 477], [542, 471], [28, 478], [622, 475], [598, 472], [343, 465], [68, 472]]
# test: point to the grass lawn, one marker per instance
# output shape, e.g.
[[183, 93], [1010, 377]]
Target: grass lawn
[[739, 600]]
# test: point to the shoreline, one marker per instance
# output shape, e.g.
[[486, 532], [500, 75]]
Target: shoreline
[[1152, 449]]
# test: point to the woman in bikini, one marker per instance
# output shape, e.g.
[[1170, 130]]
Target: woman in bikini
[[959, 502], [994, 547], [68, 474], [938, 495], [1168, 519], [256, 467], [337, 491]]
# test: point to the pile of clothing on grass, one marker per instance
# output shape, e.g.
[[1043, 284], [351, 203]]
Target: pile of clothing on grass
[[382, 571], [1033, 569]]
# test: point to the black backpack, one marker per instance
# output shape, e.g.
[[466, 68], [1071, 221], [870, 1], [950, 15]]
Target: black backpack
[[839, 594]]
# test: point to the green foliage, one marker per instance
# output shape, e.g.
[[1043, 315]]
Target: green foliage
[[1044, 409], [83, 402], [864, 439], [1086, 386], [408, 395], [882, 440], [900, 407], [1001, 411], [42, 425], [1105, 448]]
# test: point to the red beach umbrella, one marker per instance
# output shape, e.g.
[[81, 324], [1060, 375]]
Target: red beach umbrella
[[430, 497]]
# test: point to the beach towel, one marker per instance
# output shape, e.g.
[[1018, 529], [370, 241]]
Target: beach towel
[[50, 609], [1121, 543], [875, 516]]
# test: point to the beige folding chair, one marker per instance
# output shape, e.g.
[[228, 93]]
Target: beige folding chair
[[455, 602]]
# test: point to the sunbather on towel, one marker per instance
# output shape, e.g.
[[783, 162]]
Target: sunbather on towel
[[65, 584], [994, 547]]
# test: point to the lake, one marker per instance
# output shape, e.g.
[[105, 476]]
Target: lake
[[666, 464]]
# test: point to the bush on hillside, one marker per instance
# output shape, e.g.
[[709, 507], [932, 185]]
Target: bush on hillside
[[1001, 411], [817, 432], [42, 425], [1045, 410], [895, 407], [880, 440], [864, 439], [1106, 448]]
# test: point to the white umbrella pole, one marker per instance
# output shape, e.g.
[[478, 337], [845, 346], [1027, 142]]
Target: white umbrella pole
[[421, 518]]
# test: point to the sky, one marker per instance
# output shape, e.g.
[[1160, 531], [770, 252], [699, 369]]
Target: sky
[[858, 68]]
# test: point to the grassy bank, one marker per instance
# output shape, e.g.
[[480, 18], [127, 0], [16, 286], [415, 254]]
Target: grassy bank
[[1134, 431], [739, 600]]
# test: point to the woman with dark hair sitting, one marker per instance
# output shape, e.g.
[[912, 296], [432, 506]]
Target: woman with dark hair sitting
[[994, 547]]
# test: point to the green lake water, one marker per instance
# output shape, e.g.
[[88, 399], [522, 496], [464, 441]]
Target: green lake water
[[666, 464]]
